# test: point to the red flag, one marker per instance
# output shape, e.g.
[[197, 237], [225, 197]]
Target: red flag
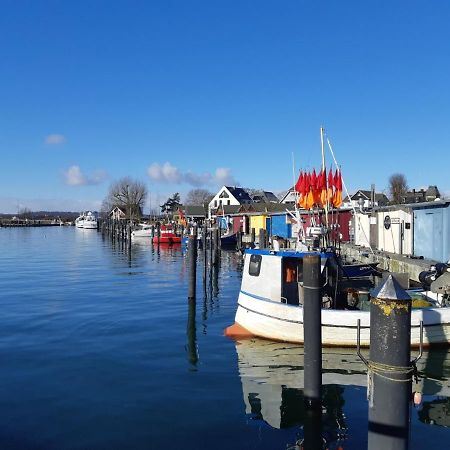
[[297, 186]]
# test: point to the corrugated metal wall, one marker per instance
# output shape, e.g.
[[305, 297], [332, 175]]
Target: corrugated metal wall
[[280, 227], [432, 233]]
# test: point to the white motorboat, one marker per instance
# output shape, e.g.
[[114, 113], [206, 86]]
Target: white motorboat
[[79, 221], [90, 221], [145, 230], [271, 297], [86, 220]]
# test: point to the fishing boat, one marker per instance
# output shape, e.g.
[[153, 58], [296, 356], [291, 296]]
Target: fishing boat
[[270, 302], [167, 236]]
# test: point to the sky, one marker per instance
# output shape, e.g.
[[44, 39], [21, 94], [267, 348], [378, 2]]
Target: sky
[[196, 94]]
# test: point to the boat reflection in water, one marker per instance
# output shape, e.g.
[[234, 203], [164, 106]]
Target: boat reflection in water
[[272, 376]]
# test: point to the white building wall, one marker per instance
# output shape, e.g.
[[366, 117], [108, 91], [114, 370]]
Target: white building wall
[[362, 229], [217, 200], [398, 238]]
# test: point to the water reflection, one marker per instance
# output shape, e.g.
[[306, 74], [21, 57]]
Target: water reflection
[[272, 376]]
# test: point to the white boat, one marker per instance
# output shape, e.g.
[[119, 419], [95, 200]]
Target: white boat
[[271, 296], [79, 221], [145, 230], [90, 221], [86, 220]]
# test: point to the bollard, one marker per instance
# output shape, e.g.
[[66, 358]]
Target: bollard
[[312, 330], [389, 367], [192, 260]]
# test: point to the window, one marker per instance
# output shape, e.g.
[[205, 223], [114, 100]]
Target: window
[[255, 265]]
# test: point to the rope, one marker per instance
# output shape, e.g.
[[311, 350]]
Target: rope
[[382, 369]]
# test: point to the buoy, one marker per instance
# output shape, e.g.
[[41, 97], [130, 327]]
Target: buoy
[[417, 398]]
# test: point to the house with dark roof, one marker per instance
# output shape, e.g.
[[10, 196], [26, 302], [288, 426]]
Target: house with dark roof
[[264, 197], [364, 198], [229, 196], [421, 195]]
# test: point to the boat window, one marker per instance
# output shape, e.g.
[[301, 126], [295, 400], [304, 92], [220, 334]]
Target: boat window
[[255, 265]]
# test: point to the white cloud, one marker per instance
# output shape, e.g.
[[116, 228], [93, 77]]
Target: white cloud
[[168, 173], [223, 176], [55, 139], [75, 177], [165, 173]]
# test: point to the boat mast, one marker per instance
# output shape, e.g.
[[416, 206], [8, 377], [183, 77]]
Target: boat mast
[[323, 168]]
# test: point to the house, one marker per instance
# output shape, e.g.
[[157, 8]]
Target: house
[[118, 213], [194, 213], [418, 196], [264, 197], [229, 196], [289, 197], [363, 198]]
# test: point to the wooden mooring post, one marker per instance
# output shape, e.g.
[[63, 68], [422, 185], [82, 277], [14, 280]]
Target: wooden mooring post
[[192, 265]]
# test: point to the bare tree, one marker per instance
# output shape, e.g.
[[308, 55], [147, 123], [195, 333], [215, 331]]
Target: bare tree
[[198, 197], [25, 213], [398, 187], [127, 194]]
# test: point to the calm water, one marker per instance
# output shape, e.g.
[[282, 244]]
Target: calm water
[[99, 349]]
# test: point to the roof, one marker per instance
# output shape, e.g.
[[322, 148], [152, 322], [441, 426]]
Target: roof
[[194, 210], [362, 193], [265, 197], [240, 194]]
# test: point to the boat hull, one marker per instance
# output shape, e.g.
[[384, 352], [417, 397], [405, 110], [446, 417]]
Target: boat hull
[[278, 321], [167, 240]]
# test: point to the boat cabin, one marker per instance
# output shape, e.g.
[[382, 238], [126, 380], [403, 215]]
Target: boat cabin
[[277, 276]]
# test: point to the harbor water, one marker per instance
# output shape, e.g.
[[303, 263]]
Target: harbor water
[[100, 349]]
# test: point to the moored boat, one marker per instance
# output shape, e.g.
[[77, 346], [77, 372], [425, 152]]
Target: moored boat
[[271, 297], [144, 230], [167, 236], [90, 221]]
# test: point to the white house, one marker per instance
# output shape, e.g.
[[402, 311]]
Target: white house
[[229, 195]]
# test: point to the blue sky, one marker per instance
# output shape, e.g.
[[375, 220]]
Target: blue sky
[[186, 94]]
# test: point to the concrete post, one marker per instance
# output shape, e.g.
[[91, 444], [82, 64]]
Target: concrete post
[[389, 387]]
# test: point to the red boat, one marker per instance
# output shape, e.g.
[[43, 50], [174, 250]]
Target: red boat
[[167, 236]]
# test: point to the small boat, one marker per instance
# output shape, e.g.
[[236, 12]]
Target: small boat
[[144, 230], [167, 236], [359, 270]]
